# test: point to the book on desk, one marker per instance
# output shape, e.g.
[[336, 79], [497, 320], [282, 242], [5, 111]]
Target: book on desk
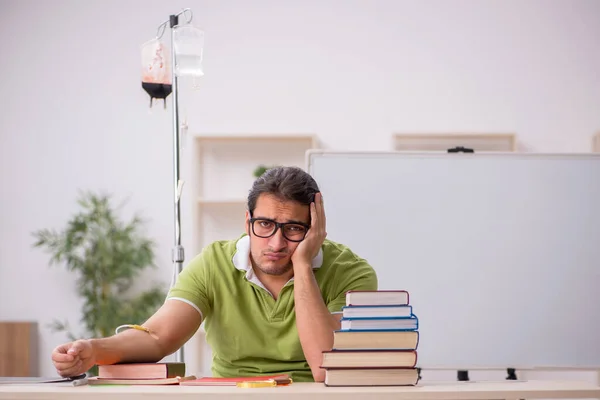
[[161, 373]]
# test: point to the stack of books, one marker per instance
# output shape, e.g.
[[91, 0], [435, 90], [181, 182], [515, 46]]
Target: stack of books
[[377, 343], [161, 373]]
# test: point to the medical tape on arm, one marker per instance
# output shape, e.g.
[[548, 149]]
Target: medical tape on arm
[[137, 327]]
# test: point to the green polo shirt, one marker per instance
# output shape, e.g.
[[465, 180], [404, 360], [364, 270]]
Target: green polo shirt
[[249, 332]]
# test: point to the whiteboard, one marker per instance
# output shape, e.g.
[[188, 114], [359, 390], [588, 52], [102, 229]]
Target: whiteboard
[[500, 252]]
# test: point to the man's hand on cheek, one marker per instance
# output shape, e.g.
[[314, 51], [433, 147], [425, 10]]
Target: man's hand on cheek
[[309, 247]]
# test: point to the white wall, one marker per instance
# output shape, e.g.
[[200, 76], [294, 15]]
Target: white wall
[[73, 114]]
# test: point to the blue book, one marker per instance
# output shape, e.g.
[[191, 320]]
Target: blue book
[[389, 311], [410, 323]]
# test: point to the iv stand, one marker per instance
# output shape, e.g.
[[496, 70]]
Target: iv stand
[[178, 254]]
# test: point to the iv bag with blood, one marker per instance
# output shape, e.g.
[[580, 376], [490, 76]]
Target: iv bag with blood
[[156, 71]]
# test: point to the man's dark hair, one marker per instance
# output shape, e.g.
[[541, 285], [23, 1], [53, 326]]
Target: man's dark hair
[[287, 183]]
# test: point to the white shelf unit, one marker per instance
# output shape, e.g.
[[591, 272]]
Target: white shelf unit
[[223, 173], [479, 142]]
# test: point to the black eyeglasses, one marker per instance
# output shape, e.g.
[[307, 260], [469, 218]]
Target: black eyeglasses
[[292, 231]]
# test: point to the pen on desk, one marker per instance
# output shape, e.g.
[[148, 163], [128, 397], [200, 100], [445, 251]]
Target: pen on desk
[[80, 382]]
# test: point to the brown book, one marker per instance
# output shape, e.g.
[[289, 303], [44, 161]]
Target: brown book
[[164, 370], [372, 377], [157, 381], [375, 340], [369, 359]]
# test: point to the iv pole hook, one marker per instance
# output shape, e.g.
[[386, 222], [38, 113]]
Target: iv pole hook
[[187, 14]]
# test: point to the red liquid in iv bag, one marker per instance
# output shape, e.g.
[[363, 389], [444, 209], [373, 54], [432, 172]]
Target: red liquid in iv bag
[[157, 90]]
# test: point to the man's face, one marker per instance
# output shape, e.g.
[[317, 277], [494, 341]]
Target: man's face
[[272, 255]]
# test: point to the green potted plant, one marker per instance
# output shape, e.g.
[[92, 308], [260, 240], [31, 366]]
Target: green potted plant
[[261, 169], [106, 255]]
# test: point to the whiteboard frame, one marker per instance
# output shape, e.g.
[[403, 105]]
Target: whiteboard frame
[[434, 154]]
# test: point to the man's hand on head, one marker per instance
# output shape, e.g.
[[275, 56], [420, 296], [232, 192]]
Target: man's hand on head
[[309, 247]]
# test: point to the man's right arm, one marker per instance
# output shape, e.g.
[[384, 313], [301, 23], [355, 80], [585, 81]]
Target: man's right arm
[[171, 327], [175, 322]]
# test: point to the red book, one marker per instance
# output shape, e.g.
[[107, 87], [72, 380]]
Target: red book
[[281, 379]]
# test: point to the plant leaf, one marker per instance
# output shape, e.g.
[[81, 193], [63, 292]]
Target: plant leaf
[[106, 254]]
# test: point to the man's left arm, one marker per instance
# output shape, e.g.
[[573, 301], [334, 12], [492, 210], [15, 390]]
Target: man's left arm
[[314, 319]]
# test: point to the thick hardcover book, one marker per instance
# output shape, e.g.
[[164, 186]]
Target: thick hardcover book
[[369, 359], [371, 377], [377, 339], [142, 370], [377, 297]]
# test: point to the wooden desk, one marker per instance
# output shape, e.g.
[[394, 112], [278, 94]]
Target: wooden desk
[[315, 391]]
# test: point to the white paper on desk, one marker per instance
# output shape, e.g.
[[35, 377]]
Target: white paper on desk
[[28, 380]]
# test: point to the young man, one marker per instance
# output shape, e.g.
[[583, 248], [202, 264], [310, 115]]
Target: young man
[[270, 299]]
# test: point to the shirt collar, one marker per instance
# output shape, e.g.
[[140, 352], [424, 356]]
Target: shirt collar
[[241, 260]]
